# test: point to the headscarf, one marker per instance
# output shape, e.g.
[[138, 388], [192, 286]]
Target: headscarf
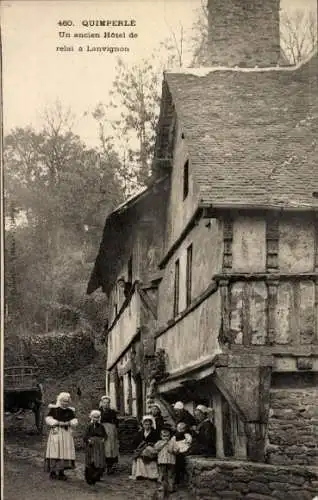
[[151, 418], [178, 405], [202, 409], [62, 395], [103, 398], [94, 413]]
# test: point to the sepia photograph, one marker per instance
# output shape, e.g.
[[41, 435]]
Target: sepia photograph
[[159, 244]]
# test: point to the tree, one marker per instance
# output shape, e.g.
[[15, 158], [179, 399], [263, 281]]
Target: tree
[[57, 194], [199, 39], [298, 34], [133, 107]]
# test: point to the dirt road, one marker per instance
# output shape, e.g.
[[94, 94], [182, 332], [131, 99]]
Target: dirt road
[[26, 481]]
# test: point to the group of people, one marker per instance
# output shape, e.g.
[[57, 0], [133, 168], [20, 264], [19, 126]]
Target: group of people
[[100, 439], [160, 448]]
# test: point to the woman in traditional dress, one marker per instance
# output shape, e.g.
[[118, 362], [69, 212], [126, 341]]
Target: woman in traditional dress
[[110, 423], [60, 451], [144, 465], [155, 411], [94, 440], [205, 433]]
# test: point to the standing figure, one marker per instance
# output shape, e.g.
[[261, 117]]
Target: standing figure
[[166, 461], [60, 451], [144, 465], [110, 422], [94, 440], [204, 436], [180, 445], [159, 420]]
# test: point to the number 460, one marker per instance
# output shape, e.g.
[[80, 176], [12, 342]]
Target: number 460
[[65, 23]]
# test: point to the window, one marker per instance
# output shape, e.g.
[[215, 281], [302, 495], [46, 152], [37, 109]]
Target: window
[[186, 179], [189, 276], [176, 288]]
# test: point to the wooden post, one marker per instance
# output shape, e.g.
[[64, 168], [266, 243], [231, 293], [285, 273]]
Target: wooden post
[[272, 289], [316, 271]]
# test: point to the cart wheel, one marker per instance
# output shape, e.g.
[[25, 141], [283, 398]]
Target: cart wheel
[[39, 418]]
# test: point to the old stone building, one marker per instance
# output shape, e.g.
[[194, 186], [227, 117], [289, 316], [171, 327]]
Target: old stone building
[[126, 270], [236, 245]]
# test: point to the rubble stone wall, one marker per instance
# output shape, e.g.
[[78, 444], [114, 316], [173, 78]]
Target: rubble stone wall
[[219, 480], [293, 427]]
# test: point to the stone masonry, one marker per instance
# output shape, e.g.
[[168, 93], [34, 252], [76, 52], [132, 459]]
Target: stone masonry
[[220, 480], [293, 427], [251, 27]]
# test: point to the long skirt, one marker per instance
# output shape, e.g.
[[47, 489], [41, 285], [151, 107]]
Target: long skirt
[[94, 460], [95, 453], [60, 450], [111, 443], [144, 469]]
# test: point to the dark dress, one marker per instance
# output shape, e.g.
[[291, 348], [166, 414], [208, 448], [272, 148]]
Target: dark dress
[[145, 466], [204, 442], [141, 440], [160, 422], [95, 462], [180, 460], [186, 417], [110, 423]]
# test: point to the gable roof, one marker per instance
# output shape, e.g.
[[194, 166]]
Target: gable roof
[[118, 227], [251, 133]]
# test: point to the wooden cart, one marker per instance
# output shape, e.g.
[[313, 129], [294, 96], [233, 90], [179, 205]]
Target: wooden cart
[[22, 392]]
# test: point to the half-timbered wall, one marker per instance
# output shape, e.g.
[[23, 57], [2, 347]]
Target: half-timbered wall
[[269, 291]]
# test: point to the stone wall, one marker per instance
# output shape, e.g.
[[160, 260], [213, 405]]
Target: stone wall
[[219, 480], [243, 33], [55, 354], [293, 427]]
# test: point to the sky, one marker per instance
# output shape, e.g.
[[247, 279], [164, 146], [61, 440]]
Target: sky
[[35, 74]]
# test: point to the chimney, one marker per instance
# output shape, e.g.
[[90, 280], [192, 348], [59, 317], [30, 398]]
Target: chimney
[[243, 33]]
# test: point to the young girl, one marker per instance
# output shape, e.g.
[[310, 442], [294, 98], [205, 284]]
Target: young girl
[[60, 450], [94, 439], [166, 461], [145, 464]]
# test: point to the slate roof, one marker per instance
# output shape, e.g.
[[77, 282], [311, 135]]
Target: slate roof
[[251, 133]]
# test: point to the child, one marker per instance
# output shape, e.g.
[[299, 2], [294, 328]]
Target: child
[[166, 461], [180, 445], [94, 439]]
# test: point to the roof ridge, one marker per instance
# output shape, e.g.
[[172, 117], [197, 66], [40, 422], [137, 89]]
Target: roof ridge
[[204, 71]]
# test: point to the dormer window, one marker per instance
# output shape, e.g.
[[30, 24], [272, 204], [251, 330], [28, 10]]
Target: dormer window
[[185, 179]]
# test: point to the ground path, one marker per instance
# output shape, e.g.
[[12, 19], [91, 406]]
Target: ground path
[[25, 479]]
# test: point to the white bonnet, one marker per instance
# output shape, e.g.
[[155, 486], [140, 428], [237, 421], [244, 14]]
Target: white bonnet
[[202, 408], [63, 395], [178, 405], [151, 418], [95, 413]]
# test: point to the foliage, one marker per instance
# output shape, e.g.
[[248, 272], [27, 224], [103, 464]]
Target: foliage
[[158, 365], [134, 103], [199, 39], [57, 194]]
